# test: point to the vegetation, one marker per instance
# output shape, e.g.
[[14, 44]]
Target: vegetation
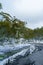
[[16, 28], [0, 6], [13, 27]]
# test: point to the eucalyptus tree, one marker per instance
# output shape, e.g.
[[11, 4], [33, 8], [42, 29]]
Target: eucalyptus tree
[[0, 6], [5, 24], [6, 16], [18, 27]]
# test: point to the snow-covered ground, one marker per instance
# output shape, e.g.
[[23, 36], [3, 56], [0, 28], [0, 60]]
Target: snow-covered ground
[[11, 57], [4, 48], [13, 44]]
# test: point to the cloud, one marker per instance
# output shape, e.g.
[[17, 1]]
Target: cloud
[[27, 10], [29, 6]]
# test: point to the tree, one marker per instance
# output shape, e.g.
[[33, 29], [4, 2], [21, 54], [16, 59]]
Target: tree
[[6, 16], [17, 27], [0, 6]]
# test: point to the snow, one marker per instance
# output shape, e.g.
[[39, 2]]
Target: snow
[[20, 53], [32, 48], [1, 53], [6, 48]]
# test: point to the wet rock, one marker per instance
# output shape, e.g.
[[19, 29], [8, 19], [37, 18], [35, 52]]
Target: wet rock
[[37, 57], [27, 53], [25, 61], [18, 57]]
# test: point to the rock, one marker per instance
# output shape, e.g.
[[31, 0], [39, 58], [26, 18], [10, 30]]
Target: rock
[[27, 53], [25, 61], [18, 57], [37, 57]]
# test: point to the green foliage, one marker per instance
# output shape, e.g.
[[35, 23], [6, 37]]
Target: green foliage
[[10, 27], [6, 16], [0, 6]]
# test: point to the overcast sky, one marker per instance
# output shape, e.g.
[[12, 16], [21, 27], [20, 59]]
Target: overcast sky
[[30, 11]]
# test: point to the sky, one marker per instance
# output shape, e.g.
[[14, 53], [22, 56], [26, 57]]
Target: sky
[[30, 11]]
